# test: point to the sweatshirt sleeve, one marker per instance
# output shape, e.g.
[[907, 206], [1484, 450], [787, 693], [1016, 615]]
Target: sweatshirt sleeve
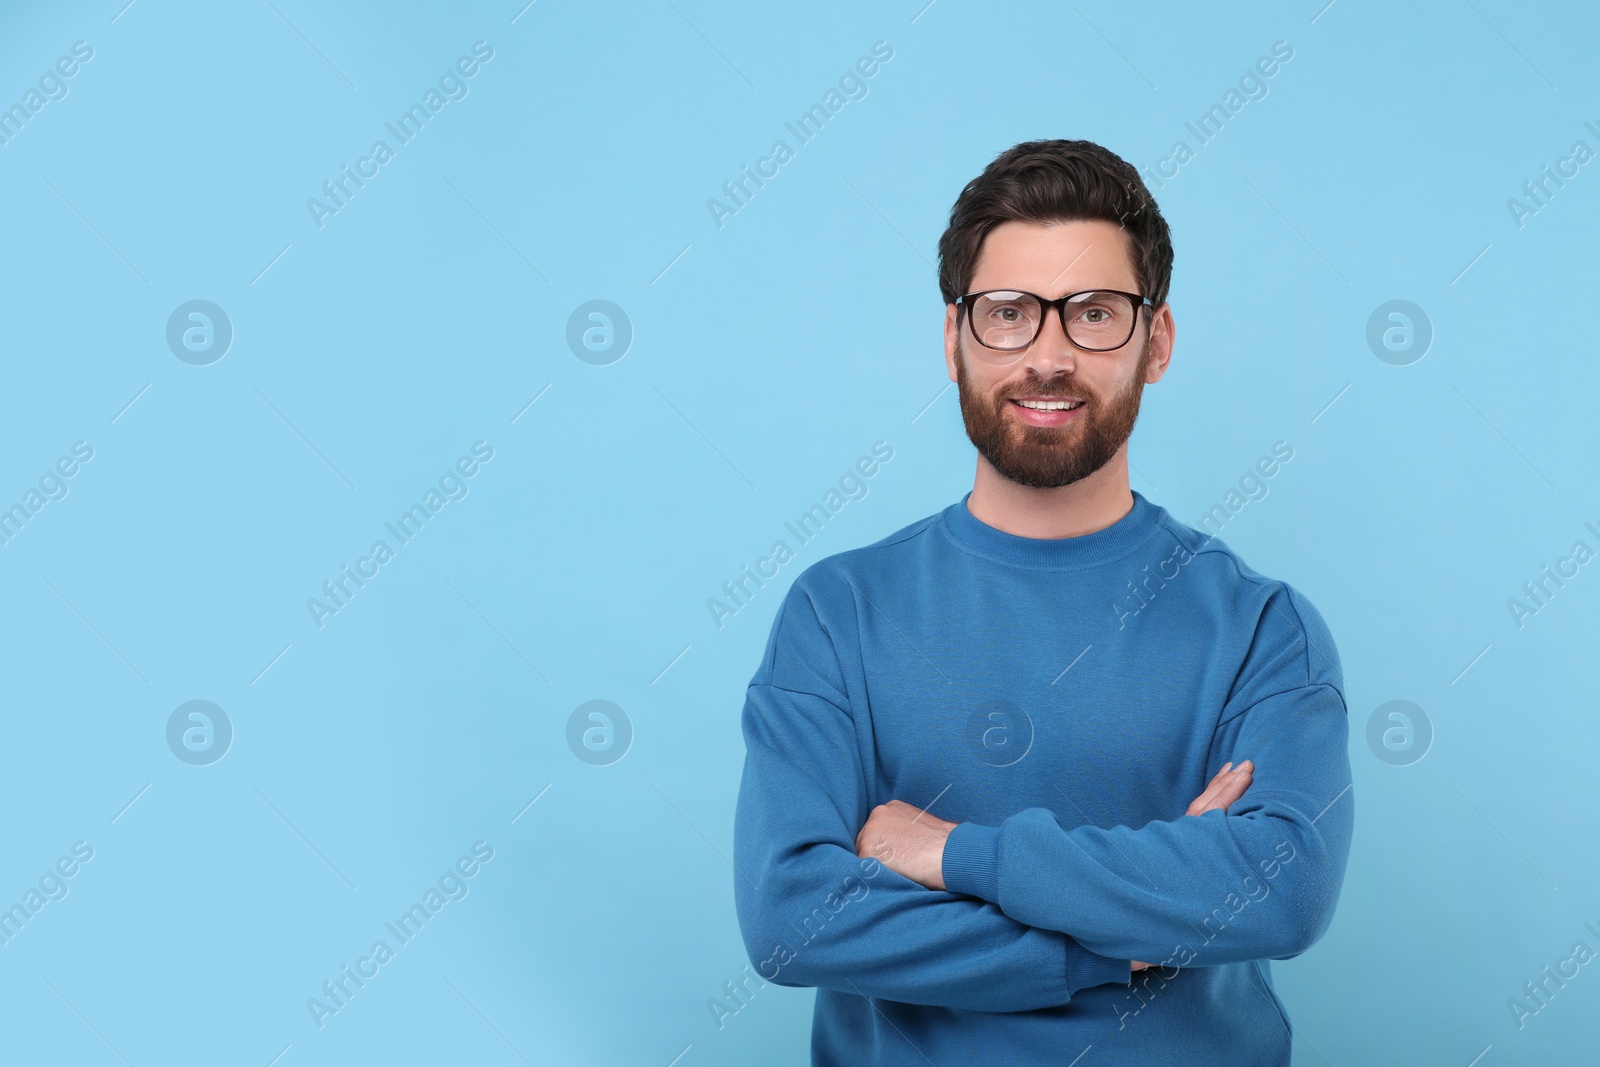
[[813, 913], [1259, 881]]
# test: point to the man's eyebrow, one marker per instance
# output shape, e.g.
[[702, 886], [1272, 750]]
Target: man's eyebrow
[[1032, 292]]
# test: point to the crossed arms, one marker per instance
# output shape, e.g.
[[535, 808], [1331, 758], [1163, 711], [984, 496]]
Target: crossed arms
[[897, 836], [1026, 914]]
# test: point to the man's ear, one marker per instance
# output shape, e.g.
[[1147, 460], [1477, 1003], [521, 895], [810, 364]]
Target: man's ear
[[952, 337], [1161, 337]]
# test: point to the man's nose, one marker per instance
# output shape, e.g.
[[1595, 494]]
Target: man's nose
[[1051, 353]]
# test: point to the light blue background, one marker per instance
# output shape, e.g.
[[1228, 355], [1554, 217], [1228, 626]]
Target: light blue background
[[768, 355]]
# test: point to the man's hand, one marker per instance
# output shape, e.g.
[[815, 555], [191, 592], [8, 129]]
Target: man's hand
[[1229, 785], [907, 840], [1224, 789]]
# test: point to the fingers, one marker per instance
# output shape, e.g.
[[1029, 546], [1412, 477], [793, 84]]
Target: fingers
[[1228, 786], [1234, 786], [1201, 802], [1221, 779], [1233, 789]]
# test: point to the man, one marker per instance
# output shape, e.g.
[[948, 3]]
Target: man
[[966, 812]]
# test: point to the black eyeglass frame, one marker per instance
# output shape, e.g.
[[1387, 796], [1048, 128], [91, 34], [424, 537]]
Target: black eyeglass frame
[[1059, 306]]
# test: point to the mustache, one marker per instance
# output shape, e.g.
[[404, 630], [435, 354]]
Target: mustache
[[1069, 391]]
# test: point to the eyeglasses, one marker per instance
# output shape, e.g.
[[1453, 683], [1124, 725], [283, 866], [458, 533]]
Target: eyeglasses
[[1008, 320]]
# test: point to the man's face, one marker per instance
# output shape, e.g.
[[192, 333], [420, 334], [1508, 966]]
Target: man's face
[[1048, 450]]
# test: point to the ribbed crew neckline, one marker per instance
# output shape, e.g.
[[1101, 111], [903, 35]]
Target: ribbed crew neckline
[[1086, 550]]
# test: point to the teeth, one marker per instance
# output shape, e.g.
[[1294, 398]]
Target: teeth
[[1051, 405]]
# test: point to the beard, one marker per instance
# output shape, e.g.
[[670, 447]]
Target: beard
[[1048, 457]]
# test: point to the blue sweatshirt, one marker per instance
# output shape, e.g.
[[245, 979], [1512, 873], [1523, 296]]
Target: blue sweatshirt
[[1062, 701]]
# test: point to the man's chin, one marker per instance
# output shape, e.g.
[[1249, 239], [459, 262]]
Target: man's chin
[[1044, 439], [1033, 479], [1038, 468]]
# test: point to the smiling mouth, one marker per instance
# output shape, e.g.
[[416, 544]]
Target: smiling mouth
[[1048, 405], [1048, 412]]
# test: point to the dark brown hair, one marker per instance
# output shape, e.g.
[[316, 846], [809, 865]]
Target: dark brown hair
[[1056, 181]]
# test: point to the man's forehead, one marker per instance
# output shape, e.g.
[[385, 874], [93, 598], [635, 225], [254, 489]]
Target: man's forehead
[[1056, 256]]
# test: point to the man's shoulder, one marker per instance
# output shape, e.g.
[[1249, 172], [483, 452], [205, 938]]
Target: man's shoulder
[[1215, 552], [1282, 615], [821, 602], [851, 566]]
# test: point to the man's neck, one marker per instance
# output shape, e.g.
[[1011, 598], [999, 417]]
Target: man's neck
[[1072, 510]]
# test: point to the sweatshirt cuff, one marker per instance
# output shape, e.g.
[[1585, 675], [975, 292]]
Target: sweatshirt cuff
[[1085, 968], [971, 861]]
